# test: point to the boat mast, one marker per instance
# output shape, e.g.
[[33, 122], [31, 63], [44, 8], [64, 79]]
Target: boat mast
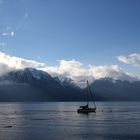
[[89, 92]]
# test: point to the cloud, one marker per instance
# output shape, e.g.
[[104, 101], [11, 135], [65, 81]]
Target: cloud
[[65, 69], [10, 34], [4, 69], [80, 73], [5, 34], [114, 71], [132, 59], [70, 69], [9, 63]]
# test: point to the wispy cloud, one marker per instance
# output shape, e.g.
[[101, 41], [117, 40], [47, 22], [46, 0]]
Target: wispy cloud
[[132, 59], [10, 34], [5, 34]]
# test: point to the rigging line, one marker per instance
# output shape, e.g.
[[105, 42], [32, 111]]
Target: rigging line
[[92, 97], [85, 90], [87, 96], [88, 92]]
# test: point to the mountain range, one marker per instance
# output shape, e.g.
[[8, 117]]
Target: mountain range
[[36, 85], [116, 90]]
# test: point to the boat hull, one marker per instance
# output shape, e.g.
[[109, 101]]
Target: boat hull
[[88, 110]]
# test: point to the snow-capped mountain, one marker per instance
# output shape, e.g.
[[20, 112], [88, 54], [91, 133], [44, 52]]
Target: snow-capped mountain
[[31, 84], [26, 75], [36, 85]]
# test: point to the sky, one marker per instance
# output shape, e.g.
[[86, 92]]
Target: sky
[[100, 33]]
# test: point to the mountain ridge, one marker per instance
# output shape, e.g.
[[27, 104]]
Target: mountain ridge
[[116, 90], [36, 85]]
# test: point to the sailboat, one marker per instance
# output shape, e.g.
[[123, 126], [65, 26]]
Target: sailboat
[[86, 108]]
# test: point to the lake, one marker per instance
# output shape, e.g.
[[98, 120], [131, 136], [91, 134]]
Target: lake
[[60, 121]]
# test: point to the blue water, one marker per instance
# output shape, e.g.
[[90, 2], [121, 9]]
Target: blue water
[[60, 121]]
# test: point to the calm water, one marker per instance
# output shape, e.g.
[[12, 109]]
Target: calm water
[[60, 121]]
